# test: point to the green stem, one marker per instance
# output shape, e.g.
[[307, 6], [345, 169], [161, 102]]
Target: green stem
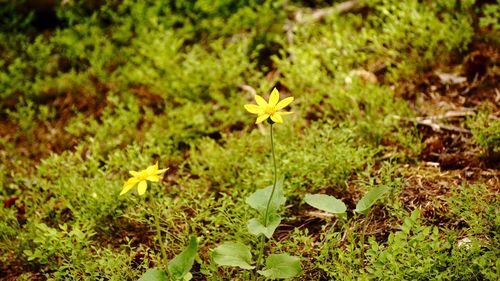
[[262, 237], [275, 178], [259, 258], [164, 261]]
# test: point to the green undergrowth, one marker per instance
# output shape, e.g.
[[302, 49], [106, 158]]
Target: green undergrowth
[[167, 81]]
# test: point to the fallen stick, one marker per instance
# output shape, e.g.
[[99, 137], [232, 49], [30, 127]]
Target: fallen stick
[[428, 121], [439, 127], [319, 14], [449, 115]]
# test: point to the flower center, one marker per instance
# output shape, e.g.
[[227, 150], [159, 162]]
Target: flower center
[[270, 110], [143, 175]]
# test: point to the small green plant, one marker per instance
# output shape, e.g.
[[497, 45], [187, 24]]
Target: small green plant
[[330, 204], [179, 267], [25, 115], [50, 241], [486, 133], [490, 18], [266, 202]]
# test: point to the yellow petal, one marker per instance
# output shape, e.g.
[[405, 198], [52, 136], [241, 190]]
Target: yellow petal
[[127, 187], [260, 101], [141, 188], [161, 171], [134, 173], [252, 108], [261, 118], [153, 178], [132, 181], [276, 117], [151, 169], [274, 98], [284, 103]]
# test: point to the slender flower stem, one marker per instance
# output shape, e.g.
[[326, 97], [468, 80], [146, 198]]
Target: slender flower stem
[[156, 214], [259, 258], [262, 237], [275, 178]]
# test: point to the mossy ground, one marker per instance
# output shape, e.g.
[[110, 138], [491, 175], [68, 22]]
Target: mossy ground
[[402, 94]]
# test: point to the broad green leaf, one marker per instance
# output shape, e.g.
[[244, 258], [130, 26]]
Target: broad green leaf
[[258, 200], [187, 277], [182, 263], [257, 227], [233, 254], [281, 266], [154, 274], [370, 198], [326, 203]]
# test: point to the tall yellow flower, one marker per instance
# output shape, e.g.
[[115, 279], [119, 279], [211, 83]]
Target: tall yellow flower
[[140, 178], [269, 109]]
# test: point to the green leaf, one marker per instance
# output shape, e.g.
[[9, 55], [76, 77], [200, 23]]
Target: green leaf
[[258, 200], [182, 263], [233, 254], [370, 198], [280, 266], [326, 203], [187, 277], [257, 227], [154, 274]]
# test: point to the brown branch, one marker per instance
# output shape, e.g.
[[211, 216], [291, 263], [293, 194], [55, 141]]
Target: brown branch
[[429, 121], [319, 14]]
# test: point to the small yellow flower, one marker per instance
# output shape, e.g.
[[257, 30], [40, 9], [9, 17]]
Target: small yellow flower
[[151, 173], [269, 109]]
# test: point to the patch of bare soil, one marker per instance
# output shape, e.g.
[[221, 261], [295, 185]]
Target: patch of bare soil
[[428, 188], [449, 94], [43, 137], [444, 98], [16, 267]]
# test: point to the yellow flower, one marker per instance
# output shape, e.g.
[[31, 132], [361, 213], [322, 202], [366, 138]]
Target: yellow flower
[[269, 109], [151, 173]]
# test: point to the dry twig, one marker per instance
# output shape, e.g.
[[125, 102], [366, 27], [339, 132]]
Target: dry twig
[[319, 14], [430, 121]]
